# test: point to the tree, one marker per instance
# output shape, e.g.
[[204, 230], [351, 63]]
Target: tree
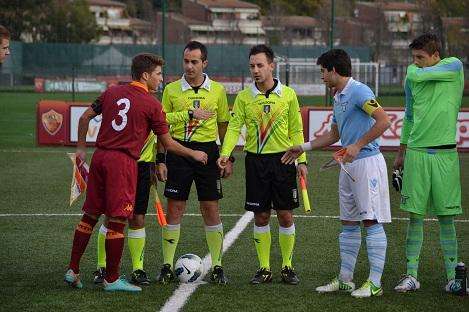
[[290, 7], [433, 12], [20, 16], [142, 9], [49, 20]]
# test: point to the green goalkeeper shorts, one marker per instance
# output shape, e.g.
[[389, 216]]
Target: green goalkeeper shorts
[[431, 180]]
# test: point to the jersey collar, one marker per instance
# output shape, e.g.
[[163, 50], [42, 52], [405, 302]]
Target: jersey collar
[[139, 85], [345, 89], [277, 90], [186, 86]]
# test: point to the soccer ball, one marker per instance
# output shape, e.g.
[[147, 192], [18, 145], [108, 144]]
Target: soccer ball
[[188, 268]]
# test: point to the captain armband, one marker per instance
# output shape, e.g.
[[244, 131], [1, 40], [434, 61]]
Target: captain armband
[[370, 106]]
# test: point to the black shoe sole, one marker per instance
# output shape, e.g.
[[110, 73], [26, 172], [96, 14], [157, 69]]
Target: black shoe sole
[[290, 283], [140, 283], [264, 282]]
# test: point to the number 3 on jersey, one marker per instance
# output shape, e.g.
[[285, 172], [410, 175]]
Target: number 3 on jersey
[[122, 112]]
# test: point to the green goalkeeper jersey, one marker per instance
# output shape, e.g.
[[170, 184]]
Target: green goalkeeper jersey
[[179, 97], [433, 99], [273, 121]]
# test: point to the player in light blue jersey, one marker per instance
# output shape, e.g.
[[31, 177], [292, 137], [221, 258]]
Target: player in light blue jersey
[[358, 121]]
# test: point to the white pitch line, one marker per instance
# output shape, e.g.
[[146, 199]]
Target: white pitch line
[[39, 151], [184, 291], [226, 215]]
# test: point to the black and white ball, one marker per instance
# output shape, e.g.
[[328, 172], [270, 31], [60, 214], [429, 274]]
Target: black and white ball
[[188, 268]]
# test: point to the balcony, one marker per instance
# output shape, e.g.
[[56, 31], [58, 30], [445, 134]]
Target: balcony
[[121, 23]]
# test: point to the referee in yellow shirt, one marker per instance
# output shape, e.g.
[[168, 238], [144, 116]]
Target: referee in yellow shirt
[[197, 110], [271, 114]]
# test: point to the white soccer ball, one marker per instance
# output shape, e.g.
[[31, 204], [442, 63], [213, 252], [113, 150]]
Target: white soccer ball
[[188, 268]]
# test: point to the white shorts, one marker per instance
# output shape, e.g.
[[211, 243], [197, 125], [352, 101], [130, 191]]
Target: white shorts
[[368, 197]]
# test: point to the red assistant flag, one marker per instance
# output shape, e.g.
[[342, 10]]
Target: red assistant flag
[[79, 178]]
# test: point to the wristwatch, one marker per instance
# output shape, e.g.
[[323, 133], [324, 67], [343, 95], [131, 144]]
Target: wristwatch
[[232, 159], [160, 158], [191, 114]]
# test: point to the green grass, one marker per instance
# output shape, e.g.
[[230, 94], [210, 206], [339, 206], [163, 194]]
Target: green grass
[[18, 112], [35, 249]]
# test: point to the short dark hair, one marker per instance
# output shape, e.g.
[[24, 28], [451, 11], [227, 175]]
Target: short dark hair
[[262, 48], [4, 33], [430, 43], [336, 59], [195, 45], [145, 63]]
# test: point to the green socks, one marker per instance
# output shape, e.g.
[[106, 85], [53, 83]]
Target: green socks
[[214, 236], [448, 241], [414, 243], [287, 243], [101, 247], [136, 241], [449, 244], [263, 240], [170, 239]]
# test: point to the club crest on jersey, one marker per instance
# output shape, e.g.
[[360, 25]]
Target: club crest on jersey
[[266, 109], [343, 105], [52, 121], [196, 103]]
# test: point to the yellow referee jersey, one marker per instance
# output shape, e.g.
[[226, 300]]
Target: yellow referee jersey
[[179, 97], [273, 122], [148, 153]]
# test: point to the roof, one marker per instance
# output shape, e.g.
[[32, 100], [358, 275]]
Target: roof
[[291, 21], [456, 21], [393, 6], [106, 3], [137, 22], [183, 19], [232, 4]]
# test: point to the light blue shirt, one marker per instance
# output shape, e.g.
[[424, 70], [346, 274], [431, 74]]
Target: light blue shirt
[[352, 121]]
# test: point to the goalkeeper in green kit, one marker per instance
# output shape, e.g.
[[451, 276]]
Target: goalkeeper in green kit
[[428, 155]]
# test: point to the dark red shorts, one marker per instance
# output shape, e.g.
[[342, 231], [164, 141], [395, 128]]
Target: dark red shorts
[[111, 184]]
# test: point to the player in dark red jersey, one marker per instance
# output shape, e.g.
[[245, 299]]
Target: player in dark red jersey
[[129, 113]]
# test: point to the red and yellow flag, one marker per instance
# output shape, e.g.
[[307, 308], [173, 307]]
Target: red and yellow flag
[[79, 177]]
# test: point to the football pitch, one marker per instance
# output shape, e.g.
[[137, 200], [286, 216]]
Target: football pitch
[[37, 227]]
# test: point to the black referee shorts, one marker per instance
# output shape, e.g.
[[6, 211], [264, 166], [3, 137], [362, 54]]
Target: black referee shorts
[[183, 171], [270, 184], [143, 187]]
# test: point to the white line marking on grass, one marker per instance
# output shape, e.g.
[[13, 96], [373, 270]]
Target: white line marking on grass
[[226, 215], [36, 151], [184, 291]]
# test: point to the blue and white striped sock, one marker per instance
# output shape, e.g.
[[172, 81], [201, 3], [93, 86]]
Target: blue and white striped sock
[[349, 242], [376, 243]]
